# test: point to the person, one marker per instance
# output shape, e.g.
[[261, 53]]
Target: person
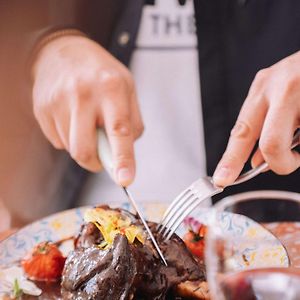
[[80, 83]]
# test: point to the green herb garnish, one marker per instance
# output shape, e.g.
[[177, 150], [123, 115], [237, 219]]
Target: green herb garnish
[[17, 291]]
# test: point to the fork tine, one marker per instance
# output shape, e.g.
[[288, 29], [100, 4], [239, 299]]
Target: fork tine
[[184, 214], [197, 201], [177, 203], [171, 206], [178, 215], [185, 203], [180, 205]]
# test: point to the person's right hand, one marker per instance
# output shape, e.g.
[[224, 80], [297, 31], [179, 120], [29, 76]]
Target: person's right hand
[[78, 87]]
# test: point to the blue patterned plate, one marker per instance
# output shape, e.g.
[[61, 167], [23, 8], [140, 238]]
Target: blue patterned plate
[[67, 223]]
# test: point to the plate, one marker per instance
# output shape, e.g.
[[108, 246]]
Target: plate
[[67, 223]]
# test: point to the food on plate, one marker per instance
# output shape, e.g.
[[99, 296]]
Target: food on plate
[[195, 237], [113, 259], [44, 263], [195, 241], [14, 284], [193, 290]]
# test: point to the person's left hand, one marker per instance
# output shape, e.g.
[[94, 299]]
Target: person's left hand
[[270, 113]]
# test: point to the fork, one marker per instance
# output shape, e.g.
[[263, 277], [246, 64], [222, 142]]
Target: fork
[[198, 191]]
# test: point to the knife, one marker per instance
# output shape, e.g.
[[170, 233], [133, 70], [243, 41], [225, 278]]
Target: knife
[[105, 155]]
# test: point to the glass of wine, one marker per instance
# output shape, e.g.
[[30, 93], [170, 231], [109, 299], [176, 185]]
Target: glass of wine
[[253, 247]]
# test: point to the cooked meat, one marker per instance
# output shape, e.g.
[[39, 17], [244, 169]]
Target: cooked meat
[[181, 264], [89, 236], [193, 290], [82, 264], [157, 279], [150, 283], [91, 273], [126, 271]]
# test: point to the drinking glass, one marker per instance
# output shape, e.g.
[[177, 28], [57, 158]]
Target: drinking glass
[[253, 247]]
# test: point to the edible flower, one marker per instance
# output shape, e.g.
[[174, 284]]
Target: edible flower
[[14, 283], [110, 223]]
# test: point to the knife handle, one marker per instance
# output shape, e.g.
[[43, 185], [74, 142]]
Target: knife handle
[[104, 152]]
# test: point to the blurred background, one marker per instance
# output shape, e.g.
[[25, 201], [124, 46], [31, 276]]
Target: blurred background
[[26, 158], [237, 39]]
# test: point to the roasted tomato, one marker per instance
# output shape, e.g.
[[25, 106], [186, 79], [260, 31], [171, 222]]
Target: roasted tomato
[[44, 263], [195, 241]]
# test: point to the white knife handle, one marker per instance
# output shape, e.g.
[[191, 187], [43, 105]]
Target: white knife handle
[[104, 152]]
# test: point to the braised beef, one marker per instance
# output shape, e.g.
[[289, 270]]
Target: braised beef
[[82, 264], [89, 236], [126, 271], [181, 264], [92, 273]]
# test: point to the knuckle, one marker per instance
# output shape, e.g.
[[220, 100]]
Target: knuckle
[[241, 130], [139, 129], [57, 145], [80, 92], [270, 147], [284, 171], [120, 128], [65, 91], [112, 79], [62, 93], [261, 75], [84, 87], [81, 154], [291, 86], [260, 79], [92, 167], [280, 168]]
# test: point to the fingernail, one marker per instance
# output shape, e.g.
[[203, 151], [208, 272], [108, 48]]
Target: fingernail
[[124, 176], [220, 176]]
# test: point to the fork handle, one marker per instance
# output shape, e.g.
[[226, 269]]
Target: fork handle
[[264, 166]]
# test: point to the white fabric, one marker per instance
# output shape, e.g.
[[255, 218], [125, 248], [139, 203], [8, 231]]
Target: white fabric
[[170, 154]]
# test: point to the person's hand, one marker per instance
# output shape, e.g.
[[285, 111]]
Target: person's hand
[[78, 87], [270, 113]]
